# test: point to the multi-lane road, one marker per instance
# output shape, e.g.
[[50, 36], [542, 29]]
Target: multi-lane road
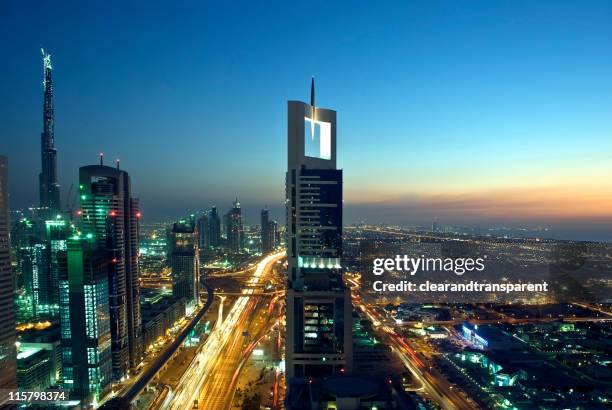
[[207, 382]]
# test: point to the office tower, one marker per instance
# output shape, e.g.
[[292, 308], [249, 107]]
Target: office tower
[[36, 281], [36, 273], [8, 361], [184, 261], [48, 185], [235, 234], [268, 232], [56, 235], [111, 214], [204, 232], [87, 362], [214, 223], [319, 339]]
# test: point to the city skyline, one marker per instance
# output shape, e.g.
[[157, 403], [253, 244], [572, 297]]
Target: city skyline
[[464, 132]]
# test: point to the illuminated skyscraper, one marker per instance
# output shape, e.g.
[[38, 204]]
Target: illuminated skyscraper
[[111, 214], [87, 362], [184, 261], [319, 339], [8, 363], [235, 234], [48, 185]]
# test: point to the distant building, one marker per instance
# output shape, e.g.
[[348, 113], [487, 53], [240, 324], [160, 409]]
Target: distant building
[[234, 229], [204, 232], [318, 331], [214, 223], [85, 323], [112, 215], [159, 313], [8, 364], [488, 337], [184, 261], [268, 232], [152, 255], [35, 244]]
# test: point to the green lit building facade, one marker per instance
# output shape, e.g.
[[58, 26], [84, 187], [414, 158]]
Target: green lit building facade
[[85, 322]]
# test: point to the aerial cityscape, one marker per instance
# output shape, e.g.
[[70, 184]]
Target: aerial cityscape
[[307, 242]]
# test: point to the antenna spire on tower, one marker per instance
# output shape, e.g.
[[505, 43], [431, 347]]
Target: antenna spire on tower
[[312, 92]]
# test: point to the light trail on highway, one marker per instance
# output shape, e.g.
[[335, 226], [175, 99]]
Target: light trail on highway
[[206, 360]]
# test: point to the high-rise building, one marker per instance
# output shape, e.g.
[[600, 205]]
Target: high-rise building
[[56, 235], [214, 223], [8, 361], [204, 232], [48, 185], [184, 261], [36, 272], [268, 232], [87, 362], [319, 339], [234, 229], [111, 214]]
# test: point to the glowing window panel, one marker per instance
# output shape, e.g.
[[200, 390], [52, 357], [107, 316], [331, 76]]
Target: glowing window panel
[[317, 139]]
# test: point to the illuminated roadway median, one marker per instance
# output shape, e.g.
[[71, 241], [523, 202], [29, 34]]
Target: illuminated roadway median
[[203, 364]]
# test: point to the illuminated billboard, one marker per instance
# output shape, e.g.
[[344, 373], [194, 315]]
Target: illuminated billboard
[[317, 139]]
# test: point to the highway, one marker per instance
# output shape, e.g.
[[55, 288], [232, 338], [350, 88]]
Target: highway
[[434, 384], [130, 392], [210, 373]]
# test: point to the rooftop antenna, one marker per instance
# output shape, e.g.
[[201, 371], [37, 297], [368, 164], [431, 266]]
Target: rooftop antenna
[[101, 158], [312, 92]]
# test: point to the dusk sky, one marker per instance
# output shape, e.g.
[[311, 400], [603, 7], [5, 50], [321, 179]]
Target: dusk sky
[[475, 113]]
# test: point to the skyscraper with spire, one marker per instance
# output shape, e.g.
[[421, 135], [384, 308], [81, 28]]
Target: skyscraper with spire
[[318, 331], [48, 185]]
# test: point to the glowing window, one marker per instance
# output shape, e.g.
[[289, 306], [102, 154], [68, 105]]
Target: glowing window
[[317, 139]]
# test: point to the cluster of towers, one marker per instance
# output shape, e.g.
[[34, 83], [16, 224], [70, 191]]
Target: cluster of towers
[[76, 268]]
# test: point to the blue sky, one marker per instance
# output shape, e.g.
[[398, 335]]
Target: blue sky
[[436, 98]]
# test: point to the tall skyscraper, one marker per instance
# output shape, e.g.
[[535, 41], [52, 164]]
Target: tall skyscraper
[[184, 261], [319, 339], [235, 234], [111, 214], [87, 363], [48, 185], [268, 232], [204, 231], [214, 223], [8, 354]]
